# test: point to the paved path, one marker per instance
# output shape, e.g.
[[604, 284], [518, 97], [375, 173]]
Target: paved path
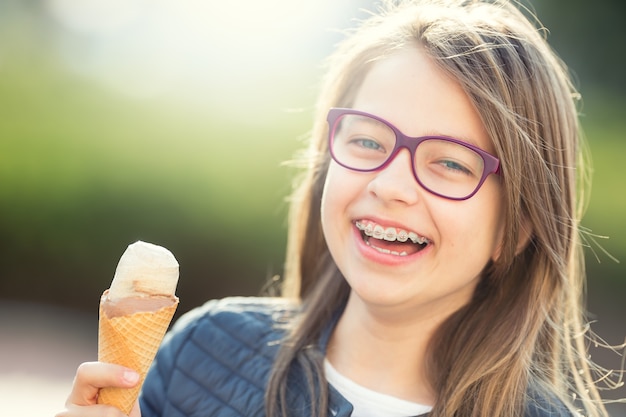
[[40, 348]]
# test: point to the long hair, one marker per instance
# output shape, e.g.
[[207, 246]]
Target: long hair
[[522, 336]]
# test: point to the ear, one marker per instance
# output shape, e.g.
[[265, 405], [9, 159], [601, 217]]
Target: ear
[[525, 233]]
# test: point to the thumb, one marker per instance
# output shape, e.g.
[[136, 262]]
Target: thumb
[[92, 376]]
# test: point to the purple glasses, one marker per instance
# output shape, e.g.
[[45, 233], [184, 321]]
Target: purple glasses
[[444, 166]]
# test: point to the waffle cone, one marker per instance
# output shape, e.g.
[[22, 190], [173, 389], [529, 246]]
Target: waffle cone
[[131, 340]]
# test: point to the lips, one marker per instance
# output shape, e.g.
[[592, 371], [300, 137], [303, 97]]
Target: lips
[[391, 240]]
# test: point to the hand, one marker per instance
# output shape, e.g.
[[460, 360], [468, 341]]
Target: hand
[[90, 377]]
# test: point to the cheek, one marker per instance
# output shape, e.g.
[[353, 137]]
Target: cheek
[[477, 229], [331, 202], [499, 242], [331, 207], [489, 217], [341, 192], [326, 197], [496, 232], [338, 187]]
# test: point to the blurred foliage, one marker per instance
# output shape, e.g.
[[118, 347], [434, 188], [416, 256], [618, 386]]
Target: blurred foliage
[[85, 171], [590, 37]]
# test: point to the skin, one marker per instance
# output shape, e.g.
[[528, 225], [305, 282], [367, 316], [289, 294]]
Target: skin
[[90, 377], [397, 302]]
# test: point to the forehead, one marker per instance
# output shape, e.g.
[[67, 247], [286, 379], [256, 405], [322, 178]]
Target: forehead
[[411, 92]]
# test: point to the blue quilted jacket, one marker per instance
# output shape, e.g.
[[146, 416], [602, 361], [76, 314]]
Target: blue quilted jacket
[[217, 358]]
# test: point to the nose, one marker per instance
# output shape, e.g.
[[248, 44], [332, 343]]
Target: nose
[[396, 182]]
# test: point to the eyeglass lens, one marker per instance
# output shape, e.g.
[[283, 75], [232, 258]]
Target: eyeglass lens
[[443, 167]]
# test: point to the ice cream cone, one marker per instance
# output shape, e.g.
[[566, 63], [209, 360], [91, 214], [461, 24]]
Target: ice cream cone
[[131, 339]]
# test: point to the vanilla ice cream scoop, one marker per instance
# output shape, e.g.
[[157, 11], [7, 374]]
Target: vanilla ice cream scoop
[[144, 269], [135, 313]]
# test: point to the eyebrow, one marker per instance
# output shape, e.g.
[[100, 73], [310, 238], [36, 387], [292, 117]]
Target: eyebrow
[[463, 138], [373, 121], [429, 133]]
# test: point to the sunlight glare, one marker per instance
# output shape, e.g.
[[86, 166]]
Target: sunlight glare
[[148, 49]]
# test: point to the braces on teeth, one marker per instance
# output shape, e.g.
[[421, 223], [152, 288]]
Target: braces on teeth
[[390, 234]]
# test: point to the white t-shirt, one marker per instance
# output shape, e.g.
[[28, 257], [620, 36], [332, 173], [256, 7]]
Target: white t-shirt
[[368, 403]]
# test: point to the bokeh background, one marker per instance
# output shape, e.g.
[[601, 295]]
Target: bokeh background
[[169, 121]]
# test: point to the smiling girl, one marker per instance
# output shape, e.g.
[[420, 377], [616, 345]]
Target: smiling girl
[[434, 264]]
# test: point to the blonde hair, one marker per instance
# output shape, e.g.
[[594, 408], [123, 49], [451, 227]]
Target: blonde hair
[[522, 336]]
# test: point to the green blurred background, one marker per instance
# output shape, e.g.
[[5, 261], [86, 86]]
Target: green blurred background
[[169, 121]]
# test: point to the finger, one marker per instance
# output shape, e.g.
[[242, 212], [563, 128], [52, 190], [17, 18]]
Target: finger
[[91, 376]]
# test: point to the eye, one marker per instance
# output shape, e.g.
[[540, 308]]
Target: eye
[[368, 143], [455, 166]]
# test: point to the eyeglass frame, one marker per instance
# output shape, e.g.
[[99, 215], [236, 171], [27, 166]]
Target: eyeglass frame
[[491, 164]]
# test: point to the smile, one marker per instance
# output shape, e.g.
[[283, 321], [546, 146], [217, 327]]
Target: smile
[[391, 240]]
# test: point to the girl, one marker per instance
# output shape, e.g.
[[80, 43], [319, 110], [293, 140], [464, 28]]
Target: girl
[[434, 264]]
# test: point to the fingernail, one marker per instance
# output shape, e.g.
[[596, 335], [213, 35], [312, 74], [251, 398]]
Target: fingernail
[[131, 377]]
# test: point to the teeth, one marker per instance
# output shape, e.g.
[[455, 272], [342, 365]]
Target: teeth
[[390, 234]]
